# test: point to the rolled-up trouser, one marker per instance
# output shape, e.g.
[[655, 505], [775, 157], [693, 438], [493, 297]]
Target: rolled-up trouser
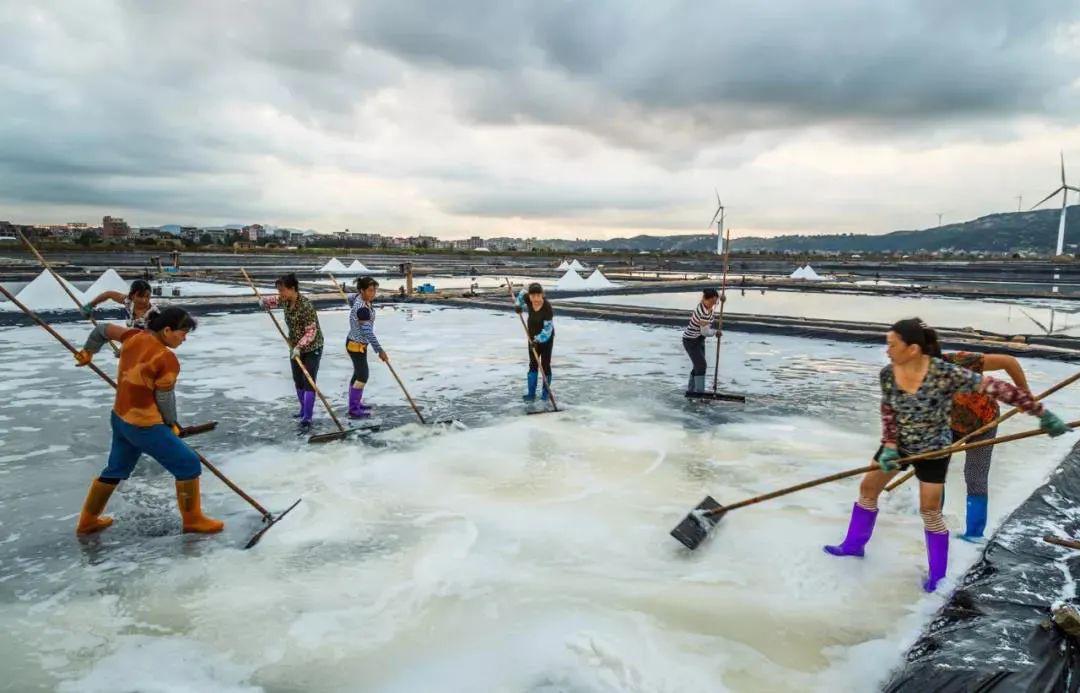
[[545, 349], [310, 360], [158, 441]]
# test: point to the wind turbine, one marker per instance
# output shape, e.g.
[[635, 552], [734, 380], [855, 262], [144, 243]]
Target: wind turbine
[[719, 219], [1064, 189]]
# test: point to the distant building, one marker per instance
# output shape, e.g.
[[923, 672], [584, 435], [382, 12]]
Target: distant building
[[114, 228], [254, 232]]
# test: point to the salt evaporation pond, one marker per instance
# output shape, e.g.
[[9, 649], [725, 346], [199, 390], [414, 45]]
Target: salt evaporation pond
[[1006, 317], [521, 554]]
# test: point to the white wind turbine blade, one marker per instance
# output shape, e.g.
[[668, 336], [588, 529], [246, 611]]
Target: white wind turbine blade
[[1047, 197]]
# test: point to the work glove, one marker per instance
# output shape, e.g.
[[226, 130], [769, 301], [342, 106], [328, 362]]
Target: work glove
[[177, 429], [887, 459], [1052, 424], [83, 357], [295, 353], [517, 309], [87, 309]]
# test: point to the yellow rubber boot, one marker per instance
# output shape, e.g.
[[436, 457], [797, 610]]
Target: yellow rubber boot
[[97, 498], [190, 502]]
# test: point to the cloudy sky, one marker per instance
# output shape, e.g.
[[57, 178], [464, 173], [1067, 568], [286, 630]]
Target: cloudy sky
[[546, 118]]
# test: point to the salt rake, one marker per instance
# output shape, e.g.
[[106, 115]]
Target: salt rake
[[342, 432], [536, 355], [716, 395], [267, 517], [696, 526], [986, 427]]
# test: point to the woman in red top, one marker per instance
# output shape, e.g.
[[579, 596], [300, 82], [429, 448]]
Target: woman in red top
[[971, 411], [144, 418]]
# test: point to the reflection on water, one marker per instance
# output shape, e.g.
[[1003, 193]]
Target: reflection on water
[[1029, 316]]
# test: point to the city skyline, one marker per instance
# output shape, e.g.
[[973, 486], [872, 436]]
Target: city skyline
[[587, 120]]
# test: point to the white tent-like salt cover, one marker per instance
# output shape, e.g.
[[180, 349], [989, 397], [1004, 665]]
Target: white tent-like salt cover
[[108, 281], [575, 265], [570, 280], [798, 274], [45, 293], [563, 266], [358, 267], [334, 265]]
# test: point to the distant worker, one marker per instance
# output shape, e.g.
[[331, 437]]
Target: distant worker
[[305, 340], [540, 322], [137, 303], [144, 418], [693, 338], [361, 337]]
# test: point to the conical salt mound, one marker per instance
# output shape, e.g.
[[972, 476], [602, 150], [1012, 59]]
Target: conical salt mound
[[563, 266], [575, 265], [570, 280], [108, 281], [45, 293], [334, 266], [597, 280], [799, 273], [809, 273], [358, 267]]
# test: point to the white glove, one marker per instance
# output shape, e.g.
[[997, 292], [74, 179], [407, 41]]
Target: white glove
[[295, 353]]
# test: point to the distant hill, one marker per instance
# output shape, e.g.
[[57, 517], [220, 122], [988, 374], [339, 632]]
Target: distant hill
[[1007, 232]]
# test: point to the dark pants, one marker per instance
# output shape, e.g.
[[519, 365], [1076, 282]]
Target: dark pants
[[358, 354], [695, 348], [544, 348], [311, 363]]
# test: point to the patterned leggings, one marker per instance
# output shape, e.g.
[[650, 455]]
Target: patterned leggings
[[977, 465]]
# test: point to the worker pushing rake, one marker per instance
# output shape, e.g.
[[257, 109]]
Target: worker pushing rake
[[917, 389]]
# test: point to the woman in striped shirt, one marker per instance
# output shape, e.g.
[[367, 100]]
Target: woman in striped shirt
[[693, 338], [361, 336]]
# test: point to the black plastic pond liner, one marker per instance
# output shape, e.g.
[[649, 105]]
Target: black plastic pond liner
[[995, 632]]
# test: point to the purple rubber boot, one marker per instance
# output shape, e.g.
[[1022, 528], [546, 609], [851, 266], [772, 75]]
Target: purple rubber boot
[[937, 558], [307, 407], [858, 533], [357, 410], [300, 399]]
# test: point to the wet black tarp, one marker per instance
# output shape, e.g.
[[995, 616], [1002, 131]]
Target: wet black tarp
[[994, 634]]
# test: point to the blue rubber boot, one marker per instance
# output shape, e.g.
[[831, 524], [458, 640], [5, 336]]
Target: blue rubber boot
[[976, 519], [530, 395], [544, 392]]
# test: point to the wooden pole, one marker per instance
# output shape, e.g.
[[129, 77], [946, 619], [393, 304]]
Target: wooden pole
[[60, 281], [535, 352], [720, 325], [873, 467]]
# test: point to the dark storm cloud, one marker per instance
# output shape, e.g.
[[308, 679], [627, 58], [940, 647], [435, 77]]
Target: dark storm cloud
[[99, 95]]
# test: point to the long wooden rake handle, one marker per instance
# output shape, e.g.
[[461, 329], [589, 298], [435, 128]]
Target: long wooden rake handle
[[60, 281], [535, 351], [392, 371], [67, 345], [986, 427], [723, 299], [873, 467], [311, 381]]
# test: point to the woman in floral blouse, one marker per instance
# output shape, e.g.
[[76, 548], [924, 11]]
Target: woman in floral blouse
[[917, 390], [305, 339], [971, 411]]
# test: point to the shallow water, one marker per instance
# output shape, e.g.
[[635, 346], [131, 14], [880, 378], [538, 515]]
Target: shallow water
[[522, 553], [1007, 317]]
